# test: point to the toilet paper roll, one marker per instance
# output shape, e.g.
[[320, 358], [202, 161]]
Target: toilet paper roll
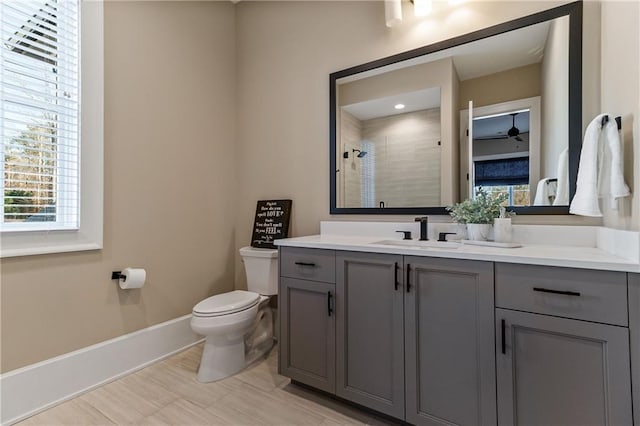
[[132, 278]]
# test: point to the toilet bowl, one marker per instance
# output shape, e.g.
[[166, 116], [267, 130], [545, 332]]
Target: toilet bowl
[[238, 325]]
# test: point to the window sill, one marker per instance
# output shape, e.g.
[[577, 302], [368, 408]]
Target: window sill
[[30, 251], [14, 244]]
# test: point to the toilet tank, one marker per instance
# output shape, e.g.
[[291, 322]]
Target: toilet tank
[[261, 267]]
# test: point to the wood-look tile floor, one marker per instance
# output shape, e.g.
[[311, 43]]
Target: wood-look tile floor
[[167, 393]]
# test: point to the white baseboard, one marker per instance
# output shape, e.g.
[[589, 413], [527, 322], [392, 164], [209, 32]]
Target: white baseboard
[[34, 388]]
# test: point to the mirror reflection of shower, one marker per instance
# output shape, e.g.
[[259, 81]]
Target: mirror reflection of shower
[[360, 153], [390, 154]]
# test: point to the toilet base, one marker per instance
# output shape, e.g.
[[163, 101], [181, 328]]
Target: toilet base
[[228, 354], [220, 361]]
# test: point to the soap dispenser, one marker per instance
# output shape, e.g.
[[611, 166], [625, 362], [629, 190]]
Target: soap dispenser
[[502, 232]]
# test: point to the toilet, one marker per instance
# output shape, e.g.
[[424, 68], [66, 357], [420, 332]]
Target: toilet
[[238, 325]]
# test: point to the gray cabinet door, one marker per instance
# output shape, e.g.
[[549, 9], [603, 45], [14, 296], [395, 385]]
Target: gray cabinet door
[[558, 371], [634, 329], [369, 343], [307, 332], [449, 338]]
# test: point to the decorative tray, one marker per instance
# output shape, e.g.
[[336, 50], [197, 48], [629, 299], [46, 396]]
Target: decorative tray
[[491, 244]]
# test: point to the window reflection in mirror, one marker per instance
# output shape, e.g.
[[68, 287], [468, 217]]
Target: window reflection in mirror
[[501, 156], [520, 133]]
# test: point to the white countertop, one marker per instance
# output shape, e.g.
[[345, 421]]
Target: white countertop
[[532, 254]]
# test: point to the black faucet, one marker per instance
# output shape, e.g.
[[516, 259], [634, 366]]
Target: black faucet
[[424, 221], [443, 236], [407, 235]]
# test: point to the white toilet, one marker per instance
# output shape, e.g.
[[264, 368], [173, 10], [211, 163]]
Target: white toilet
[[238, 325]]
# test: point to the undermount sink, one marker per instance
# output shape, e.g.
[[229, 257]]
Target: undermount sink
[[420, 244]]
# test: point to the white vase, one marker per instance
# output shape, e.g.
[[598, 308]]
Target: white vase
[[502, 231], [461, 231], [478, 231]]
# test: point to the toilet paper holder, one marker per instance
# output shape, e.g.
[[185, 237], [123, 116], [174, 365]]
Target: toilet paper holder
[[116, 275]]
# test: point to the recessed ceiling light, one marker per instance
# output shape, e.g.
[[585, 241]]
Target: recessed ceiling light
[[399, 106]]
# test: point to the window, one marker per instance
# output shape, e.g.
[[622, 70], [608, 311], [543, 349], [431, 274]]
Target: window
[[51, 126], [504, 171], [508, 176]]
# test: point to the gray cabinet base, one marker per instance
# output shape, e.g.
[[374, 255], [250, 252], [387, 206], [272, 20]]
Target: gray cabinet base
[[558, 371]]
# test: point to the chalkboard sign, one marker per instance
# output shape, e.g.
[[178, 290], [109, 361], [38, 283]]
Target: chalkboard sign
[[271, 222]]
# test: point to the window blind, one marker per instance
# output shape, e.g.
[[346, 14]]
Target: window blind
[[507, 171], [40, 114]]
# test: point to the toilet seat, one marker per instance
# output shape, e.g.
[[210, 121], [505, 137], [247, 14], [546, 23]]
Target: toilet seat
[[226, 303]]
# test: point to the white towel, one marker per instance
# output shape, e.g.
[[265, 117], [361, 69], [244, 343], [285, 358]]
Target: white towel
[[611, 184], [544, 191], [562, 192], [591, 175]]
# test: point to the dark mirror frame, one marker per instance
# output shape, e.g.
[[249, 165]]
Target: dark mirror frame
[[573, 10]]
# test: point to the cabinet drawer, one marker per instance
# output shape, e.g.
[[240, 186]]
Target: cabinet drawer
[[590, 295], [308, 264]]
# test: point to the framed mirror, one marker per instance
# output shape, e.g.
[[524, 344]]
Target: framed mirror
[[499, 108]]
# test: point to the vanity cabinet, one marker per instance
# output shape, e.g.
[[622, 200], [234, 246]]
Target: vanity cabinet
[[307, 317], [424, 320], [634, 331], [562, 349], [369, 331], [420, 338], [449, 347]]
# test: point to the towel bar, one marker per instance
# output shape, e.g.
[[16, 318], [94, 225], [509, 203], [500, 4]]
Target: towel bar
[[618, 119]]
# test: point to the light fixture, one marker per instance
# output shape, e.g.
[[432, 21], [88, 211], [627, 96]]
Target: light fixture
[[422, 7], [393, 12], [399, 106]]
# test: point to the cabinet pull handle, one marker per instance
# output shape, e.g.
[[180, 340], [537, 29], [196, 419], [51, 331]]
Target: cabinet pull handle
[[502, 333], [566, 293], [329, 307], [395, 276], [408, 276], [305, 264]]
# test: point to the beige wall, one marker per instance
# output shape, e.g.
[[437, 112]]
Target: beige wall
[[169, 188], [554, 120], [286, 51], [171, 104], [517, 83], [621, 96]]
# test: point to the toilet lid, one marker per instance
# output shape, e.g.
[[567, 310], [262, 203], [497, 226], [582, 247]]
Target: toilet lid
[[226, 303]]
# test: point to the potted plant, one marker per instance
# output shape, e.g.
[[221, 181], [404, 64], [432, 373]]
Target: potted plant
[[478, 214]]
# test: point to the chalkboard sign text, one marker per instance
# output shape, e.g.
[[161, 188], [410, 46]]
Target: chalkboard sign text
[[271, 222]]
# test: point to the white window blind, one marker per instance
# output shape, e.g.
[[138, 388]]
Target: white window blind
[[40, 114]]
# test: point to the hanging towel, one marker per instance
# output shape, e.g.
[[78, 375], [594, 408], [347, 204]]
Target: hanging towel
[[562, 192], [543, 192], [611, 184], [600, 169]]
